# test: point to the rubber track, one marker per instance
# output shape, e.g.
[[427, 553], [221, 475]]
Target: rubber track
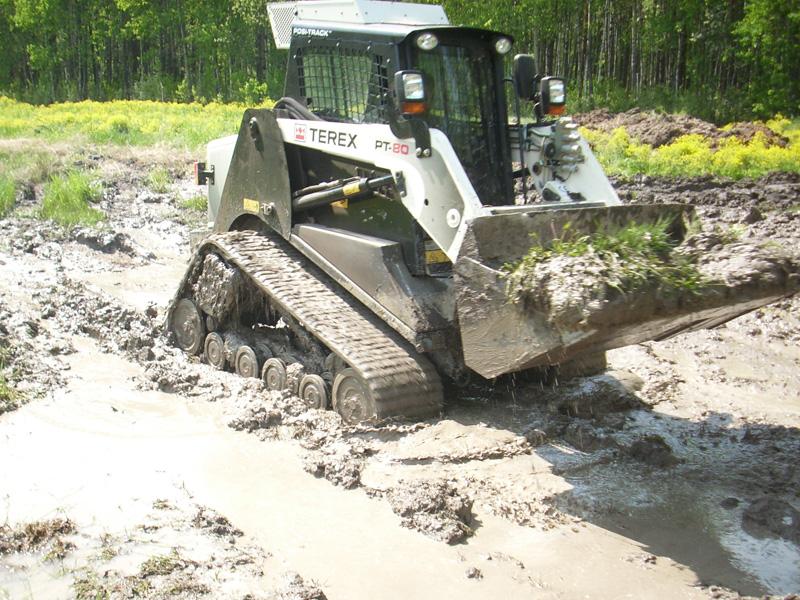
[[402, 382]]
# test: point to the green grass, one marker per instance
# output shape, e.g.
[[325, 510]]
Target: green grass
[[67, 200], [10, 398], [161, 564], [28, 164], [636, 256], [198, 203], [136, 123], [158, 180], [7, 195], [694, 155]]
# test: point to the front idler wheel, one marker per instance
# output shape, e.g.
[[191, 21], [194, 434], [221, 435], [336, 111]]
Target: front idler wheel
[[246, 362], [188, 326], [274, 374], [351, 398], [314, 391], [215, 350]]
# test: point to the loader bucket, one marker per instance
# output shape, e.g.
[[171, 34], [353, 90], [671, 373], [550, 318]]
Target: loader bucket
[[501, 336]]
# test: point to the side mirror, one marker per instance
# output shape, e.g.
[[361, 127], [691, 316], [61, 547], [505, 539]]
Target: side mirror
[[553, 95], [409, 93], [525, 76]]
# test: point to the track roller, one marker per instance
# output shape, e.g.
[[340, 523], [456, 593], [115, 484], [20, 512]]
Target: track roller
[[188, 326], [314, 391], [246, 362], [215, 350], [352, 398], [274, 374]]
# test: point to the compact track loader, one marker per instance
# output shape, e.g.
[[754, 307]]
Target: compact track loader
[[362, 225]]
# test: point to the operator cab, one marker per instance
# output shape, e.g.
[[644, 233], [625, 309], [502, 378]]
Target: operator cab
[[348, 75]]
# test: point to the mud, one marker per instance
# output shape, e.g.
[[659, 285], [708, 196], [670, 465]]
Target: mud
[[435, 508], [589, 290], [37, 535], [772, 517], [669, 475], [657, 129], [294, 587]]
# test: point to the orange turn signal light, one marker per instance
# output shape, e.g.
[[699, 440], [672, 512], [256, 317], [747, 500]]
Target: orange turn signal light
[[414, 108]]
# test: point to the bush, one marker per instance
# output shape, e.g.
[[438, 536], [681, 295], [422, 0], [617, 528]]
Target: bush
[[694, 155], [67, 198]]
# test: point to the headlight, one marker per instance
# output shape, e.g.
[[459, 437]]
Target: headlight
[[410, 93], [413, 87], [502, 45], [557, 91], [427, 41], [553, 96]]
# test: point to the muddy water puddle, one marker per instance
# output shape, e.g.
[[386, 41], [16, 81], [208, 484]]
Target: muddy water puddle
[[102, 452], [691, 525]]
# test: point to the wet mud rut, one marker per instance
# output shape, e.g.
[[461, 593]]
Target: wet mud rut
[[672, 474]]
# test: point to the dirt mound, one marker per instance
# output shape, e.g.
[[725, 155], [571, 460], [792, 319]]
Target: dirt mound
[[653, 450], [592, 397], [339, 463], [659, 129], [215, 523], [435, 508], [294, 587], [773, 192], [450, 442]]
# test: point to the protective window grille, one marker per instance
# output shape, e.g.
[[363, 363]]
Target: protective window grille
[[343, 84], [463, 105]]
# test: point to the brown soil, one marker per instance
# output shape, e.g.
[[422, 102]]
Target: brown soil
[[669, 475], [658, 129]]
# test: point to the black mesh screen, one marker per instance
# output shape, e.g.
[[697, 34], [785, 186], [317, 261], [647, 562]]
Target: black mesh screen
[[343, 84], [462, 103]]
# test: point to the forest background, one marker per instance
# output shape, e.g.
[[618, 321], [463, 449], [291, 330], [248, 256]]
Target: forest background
[[721, 60]]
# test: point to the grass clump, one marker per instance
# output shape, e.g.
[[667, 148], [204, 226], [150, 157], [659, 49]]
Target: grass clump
[[158, 180], [198, 203], [67, 200], [630, 258], [161, 564], [7, 196], [10, 398]]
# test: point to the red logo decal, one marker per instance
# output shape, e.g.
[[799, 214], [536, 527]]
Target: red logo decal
[[300, 133]]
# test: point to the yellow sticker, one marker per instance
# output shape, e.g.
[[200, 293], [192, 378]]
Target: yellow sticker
[[351, 188], [435, 256], [341, 203], [251, 205]]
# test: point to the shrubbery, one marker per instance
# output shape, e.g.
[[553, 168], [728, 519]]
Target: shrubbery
[[122, 122], [693, 155]]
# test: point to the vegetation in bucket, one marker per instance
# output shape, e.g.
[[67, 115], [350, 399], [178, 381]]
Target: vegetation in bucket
[[625, 259]]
